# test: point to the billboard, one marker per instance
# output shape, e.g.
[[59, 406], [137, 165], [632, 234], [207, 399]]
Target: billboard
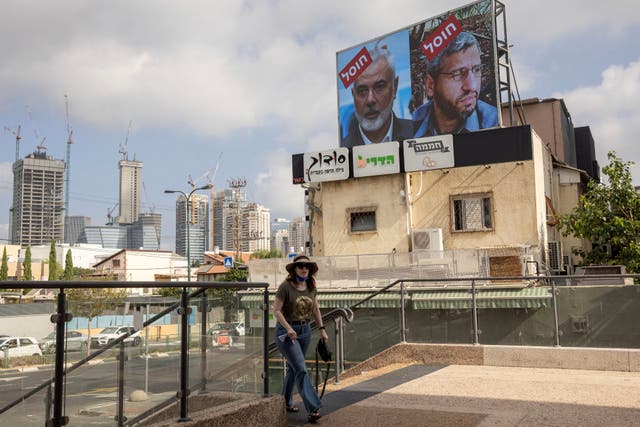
[[328, 165], [436, 77], [433, 152], [376, 159]]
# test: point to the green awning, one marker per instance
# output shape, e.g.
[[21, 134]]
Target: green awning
[[334, 300], [486, 298]]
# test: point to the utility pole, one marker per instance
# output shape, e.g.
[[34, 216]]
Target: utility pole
[[237, 184]]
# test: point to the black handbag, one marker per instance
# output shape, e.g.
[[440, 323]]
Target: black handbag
[[322, 352]]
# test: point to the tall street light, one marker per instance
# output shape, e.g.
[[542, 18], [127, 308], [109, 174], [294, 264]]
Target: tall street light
[[184, 312], [186, 219]]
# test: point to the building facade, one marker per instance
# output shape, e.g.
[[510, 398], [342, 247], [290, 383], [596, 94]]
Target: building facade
[[37, 214], [194, 217], [73, 227], [227, 206], [130, 191], [297, 235], [255, 228]]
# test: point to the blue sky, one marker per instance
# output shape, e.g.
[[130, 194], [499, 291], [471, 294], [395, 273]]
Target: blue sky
[[256, 82]]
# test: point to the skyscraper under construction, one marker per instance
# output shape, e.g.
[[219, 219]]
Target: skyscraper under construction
[[37, 213]]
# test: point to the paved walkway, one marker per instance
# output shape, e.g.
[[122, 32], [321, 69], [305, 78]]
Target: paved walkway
[[457, 395]]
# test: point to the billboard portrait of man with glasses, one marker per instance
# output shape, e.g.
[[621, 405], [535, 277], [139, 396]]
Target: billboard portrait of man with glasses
[[453, 85]]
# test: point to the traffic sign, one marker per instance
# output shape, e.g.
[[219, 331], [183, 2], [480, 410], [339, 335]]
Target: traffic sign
[[228, 262]]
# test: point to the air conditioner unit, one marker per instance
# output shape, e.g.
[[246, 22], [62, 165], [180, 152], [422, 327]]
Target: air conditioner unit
[[555, 256], [427, 239]]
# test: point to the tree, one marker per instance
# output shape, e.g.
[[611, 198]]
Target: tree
[[4, 268], [273, 253], [68, 266], [91, 302], [53, 265], [228, 296], [26, 265], [609, 216]]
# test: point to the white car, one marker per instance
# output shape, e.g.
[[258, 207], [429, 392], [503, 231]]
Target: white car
[[19, 346], [112, 333], [74, 340]]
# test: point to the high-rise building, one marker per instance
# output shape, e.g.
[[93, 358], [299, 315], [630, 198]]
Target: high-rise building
[[37, 214], [73, 227], [224, 214], [280, 235], [142, 234], [130, 191], [255, 232], [196, 212], [298, 235], [145, 232]]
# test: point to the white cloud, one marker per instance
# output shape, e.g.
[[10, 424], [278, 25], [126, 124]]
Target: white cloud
[[273, 187], [610, 109], [546, 20]]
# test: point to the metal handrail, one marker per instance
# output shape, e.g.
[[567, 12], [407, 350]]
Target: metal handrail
[[60, 317]]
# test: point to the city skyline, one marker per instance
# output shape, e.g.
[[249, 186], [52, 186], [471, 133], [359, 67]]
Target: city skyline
[[191, 90]]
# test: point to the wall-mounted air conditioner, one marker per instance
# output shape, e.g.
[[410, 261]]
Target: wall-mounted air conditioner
[[555, 256], [427, 239]]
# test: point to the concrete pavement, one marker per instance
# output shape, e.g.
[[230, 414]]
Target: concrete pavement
[[475, 394]]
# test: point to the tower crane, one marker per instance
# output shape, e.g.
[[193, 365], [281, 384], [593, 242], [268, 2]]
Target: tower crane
[[109, 214], [40, 147], [123, 147], [211, 178], [152, 207], [68, 162], [16, 133]]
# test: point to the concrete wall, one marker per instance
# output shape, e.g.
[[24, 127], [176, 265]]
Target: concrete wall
[[385, 193]]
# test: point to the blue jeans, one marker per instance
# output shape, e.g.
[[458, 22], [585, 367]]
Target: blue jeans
[[294, 352]]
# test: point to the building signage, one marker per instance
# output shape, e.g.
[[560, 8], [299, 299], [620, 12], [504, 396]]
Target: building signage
[[329, 165], [228, 262], [406, 81], [376, 159], [434, 152]]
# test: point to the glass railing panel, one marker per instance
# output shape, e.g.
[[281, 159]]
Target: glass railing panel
[[234, 357], [440, 325], [599, 316], [29, 412]]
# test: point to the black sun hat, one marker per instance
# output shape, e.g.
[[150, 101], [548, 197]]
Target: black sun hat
[[302, 259]]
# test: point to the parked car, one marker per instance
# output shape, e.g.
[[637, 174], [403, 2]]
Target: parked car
[[74, 341], [112, 333], [220, 331], [19, 346]]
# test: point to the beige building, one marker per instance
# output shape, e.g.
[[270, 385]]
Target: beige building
[[502, 199]]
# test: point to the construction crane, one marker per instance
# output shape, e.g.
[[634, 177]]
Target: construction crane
[[109, 214], [152, 207], [123, 147], [40, 147], [15, 133], [68, 162], [211, 178]]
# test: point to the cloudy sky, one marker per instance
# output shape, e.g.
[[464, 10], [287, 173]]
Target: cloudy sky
[[253, 82]]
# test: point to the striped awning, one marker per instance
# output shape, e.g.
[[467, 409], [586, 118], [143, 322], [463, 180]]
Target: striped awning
[[486, 298], [334, 300]]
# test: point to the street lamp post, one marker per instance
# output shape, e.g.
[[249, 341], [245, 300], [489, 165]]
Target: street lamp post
[[184, 312]]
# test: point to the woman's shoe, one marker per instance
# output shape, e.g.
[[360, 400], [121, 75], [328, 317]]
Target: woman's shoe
[[314, 416], [292, 409]]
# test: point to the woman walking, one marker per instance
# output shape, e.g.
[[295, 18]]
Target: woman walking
[[293, 308]]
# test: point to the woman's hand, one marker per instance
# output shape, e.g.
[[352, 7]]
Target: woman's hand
[[292, 334], [323, 335]]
